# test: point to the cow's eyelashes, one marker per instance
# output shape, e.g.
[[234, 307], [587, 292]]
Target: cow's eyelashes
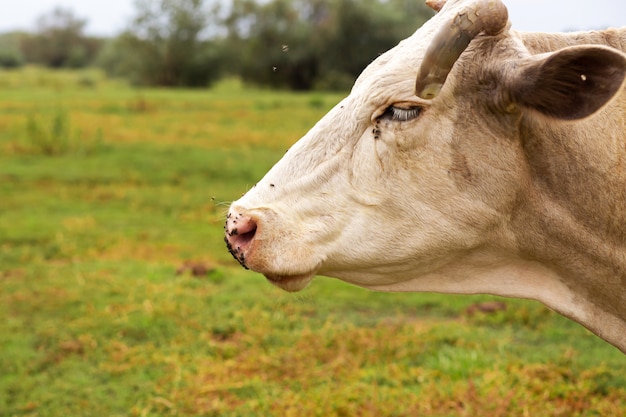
[[401, 114]]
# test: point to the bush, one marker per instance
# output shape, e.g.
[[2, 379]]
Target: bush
[[10, 59], [58, 138], [10, 54]]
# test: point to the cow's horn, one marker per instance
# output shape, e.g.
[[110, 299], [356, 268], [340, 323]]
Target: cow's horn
[[488, 16], [436, 5]]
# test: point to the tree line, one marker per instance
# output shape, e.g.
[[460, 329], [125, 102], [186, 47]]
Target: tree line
[[294, 44]]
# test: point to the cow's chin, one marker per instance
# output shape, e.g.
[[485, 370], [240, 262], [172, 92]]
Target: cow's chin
[[291, 283]]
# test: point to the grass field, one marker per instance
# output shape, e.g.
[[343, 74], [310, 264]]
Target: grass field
[[118, 298]]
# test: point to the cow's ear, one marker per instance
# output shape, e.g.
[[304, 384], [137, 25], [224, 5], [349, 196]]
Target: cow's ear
[[569, 84]]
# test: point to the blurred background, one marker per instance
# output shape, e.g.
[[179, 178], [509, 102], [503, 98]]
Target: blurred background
[[127, 128], [196, 42], [312, 44]]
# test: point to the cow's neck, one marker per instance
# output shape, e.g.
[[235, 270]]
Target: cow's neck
[[538, 43], [583, 269], [572, 215]]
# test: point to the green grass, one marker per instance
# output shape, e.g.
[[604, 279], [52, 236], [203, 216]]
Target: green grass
[[98, 317]]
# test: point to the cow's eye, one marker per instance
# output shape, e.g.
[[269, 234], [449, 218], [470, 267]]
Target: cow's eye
[[401, 114]]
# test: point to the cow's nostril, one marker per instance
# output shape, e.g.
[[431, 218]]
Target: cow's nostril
[[246, 234]]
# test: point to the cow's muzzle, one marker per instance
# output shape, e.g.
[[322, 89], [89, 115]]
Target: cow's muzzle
[[252, 238]]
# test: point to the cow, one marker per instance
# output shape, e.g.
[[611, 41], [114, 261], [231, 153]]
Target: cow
[[470, 158]]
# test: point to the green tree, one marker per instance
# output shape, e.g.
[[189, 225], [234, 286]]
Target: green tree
[[59, 41], [167, 44], [269, 43], [303, 44], [295, 44]]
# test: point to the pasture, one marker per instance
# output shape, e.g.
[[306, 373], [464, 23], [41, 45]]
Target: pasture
[[118, 298]]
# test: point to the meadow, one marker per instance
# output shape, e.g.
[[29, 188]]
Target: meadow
[[118, 298]]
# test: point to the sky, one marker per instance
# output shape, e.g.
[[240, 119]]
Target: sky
[[109, 17]]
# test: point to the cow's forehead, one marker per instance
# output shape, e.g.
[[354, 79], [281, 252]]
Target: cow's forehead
[[395, 70], [391, 76]]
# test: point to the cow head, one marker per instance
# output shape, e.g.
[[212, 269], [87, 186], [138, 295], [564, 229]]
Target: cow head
[[417, 171]]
